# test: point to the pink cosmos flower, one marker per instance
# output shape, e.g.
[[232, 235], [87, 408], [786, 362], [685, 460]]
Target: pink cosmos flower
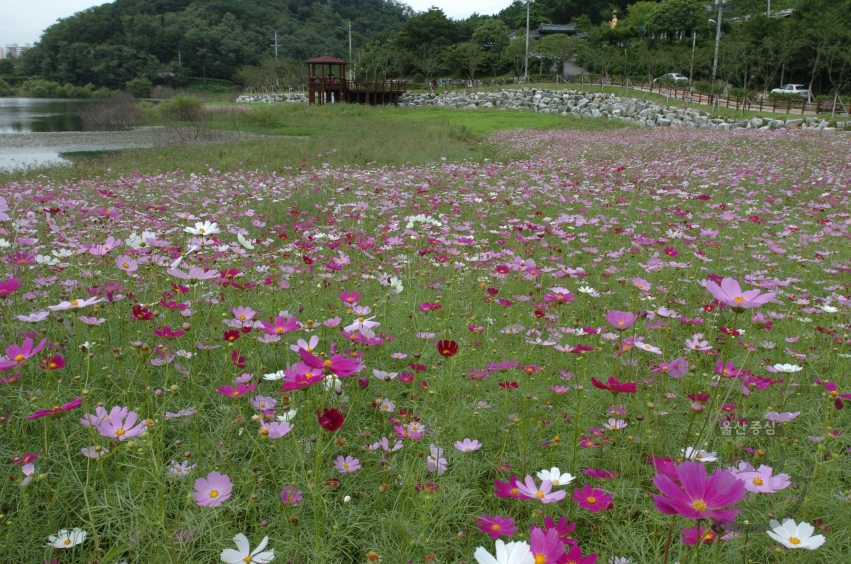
[[544, 493], [347, 464], [559, 296], [338, 364], [510, 489], [699, 498], [468, 445], [236, 392], [781, 417], [275, 430], [691, 536], [290, 495], [300, 377], [280, 326], [592, 499], [760, 480], [350, 297], [574, 555], [115, 426], [168, 333], [496, 526], [195, 274], [729, 292], [75, 304], [126, 263], [16, 355], [213, 490], [620, 320], [435, 461]]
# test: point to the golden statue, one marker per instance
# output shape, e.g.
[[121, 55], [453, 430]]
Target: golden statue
[[614, 23]]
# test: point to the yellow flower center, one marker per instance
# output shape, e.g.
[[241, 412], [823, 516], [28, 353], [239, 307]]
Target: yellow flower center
[[74, 303], [248, 559], [360, 319], [327, 364], [235, 393], [350, 300], [242, 318], [699, 505], [540, 494], [592, 500], [345, 465], [125, 265], [119, 432], [621, 322], [559, 298], [514, 491], [66, 542], [540, 559], [494, 527], [20, 358], [279, 329], [739, 299], [214, 493], [757, 481], [201, 230], [794, 540], [264, 431]]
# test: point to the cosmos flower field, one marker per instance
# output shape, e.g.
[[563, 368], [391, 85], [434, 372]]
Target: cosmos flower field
[[631, 347]]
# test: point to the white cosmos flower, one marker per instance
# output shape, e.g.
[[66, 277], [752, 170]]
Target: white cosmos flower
[[244, 242], [203, 228], [556, 476], [4, 243], [511, 553], [699, 455], [274, 375], [67, 539], [244, 554], [288, 415], [787, 368], [62, 253], [46, 260], [829, 309], [396, 285], [795, 535]]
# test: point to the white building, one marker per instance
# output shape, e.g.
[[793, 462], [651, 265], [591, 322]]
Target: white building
[[13, 50]]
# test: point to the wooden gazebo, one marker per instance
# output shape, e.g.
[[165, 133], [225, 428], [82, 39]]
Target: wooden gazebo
[[326, 84]]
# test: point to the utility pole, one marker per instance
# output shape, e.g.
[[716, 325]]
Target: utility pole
[[275, 45], [720, 4], [351, 63], [768, 11], [528, 2], [691, 69]]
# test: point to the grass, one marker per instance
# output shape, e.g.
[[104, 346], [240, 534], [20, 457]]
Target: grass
[[298, 136]]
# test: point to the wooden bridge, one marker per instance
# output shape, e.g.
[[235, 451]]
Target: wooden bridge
[[326, 87]]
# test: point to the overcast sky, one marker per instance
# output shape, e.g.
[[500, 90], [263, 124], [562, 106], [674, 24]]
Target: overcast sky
[[23, 21]]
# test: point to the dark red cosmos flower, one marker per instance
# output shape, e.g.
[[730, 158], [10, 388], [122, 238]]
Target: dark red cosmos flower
[[54, 362], [330, 419], [509, 385], [447, 348], [142, 313], [26, 458], [615, 386], [178, 289], [236, 359], [417, 367], [231, 335], [168, 333]]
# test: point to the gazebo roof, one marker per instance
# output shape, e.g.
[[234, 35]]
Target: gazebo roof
[[325, 59]]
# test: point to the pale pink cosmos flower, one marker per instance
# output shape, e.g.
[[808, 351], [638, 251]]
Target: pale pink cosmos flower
[[28, 471], [213, 490], [468, 445], [275, 430], [544, 493], [195, 274], [115, 426], [761, 479], [75, 304], [347, 464], [729, 292], [126, 263], [782, 417]]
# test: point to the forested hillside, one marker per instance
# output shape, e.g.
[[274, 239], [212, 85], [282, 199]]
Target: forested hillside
[[111, 44]]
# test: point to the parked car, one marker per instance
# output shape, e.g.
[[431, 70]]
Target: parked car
[[672, 77], [799, 89]]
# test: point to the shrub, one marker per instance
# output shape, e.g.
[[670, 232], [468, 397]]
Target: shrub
[[162, 92], [77, 92], [116, 113], [419, 78], [140, 87], [39, 88], [186, 117], [5, 89]]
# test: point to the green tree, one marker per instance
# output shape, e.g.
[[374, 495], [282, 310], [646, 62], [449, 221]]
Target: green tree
[[559, 49], [637, 16], [671, 17], [429, 28], [467, 57], [140, 87]]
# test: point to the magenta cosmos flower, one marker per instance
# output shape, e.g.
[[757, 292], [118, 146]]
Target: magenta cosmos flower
[[57, 409], [496, 526], [18, 354], [547, 547], [213, 490], [592, 499], [290, 495], [699, 498], [615, 386], [338, 364], [729, 292]]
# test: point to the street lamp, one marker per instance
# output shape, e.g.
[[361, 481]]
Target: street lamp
[[720, 4]]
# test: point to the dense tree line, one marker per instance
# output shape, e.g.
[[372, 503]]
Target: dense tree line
[[171, 40], [167, 41]]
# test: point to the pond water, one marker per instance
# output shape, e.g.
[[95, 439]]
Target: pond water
[[36, 115]]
